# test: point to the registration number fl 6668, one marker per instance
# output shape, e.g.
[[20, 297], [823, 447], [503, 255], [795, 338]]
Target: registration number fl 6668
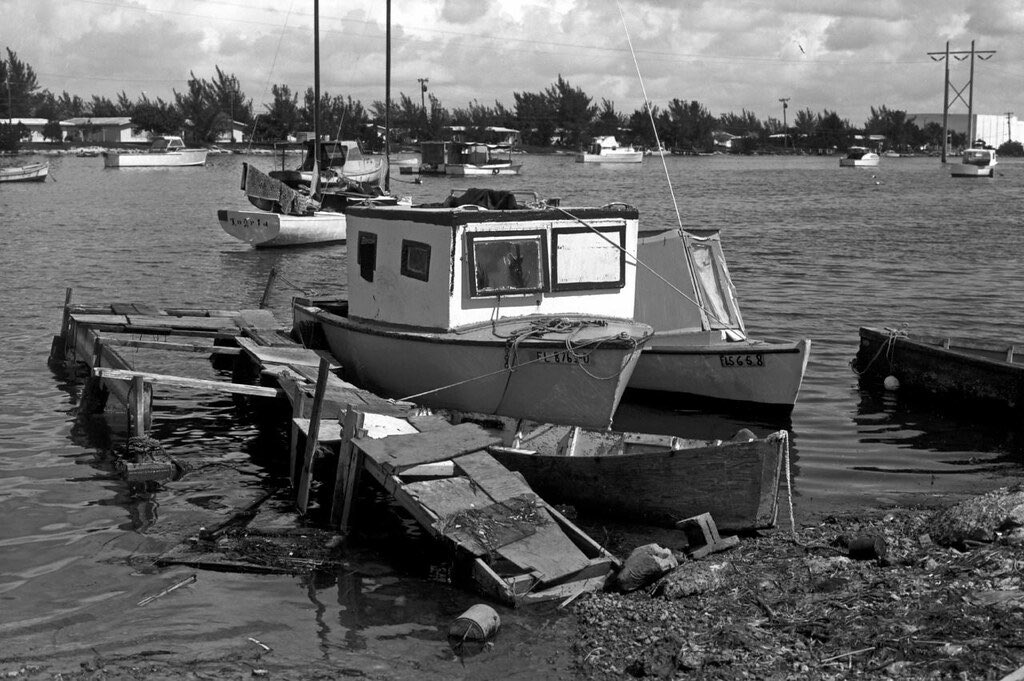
[[742, 361]]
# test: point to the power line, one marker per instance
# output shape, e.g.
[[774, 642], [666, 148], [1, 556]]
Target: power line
[[959, 55]]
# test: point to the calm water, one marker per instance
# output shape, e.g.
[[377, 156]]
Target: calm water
[[815, 252]]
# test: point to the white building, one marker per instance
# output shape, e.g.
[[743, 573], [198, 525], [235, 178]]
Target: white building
[[105, 129], [995, 129], [35, 127]]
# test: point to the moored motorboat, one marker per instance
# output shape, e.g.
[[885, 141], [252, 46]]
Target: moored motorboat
[[481, 304], [859, 157], [166, 151], [659, 480], [31, 172], [975, 162], [608, 150], [482, 159], [983, 376], [700, 351]]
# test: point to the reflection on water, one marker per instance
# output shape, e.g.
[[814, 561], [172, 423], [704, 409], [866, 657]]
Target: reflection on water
[[814, 252]]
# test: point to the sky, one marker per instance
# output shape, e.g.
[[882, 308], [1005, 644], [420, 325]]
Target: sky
[[731, 55]]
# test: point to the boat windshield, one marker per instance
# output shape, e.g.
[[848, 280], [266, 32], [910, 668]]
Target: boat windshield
[[978, 157], [332, 155]]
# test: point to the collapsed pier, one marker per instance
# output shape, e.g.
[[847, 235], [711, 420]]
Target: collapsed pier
[[518, 548]]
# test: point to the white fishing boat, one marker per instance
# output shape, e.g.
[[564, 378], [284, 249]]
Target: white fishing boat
[[482, 304], [32, 172], [167, 151], [975, 162], [700, 351], [482, 159], [608, 150], [859, 157]]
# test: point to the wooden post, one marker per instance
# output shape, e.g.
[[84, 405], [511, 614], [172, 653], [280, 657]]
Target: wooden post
[[349, 463], [298, 411], [266, 289], [65, 327], [137, 410], [312, 436]]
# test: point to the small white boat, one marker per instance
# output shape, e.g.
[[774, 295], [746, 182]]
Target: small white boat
[[700, 351], [33, 172], [482, 159], [975, 162], [167, 151], [481, 304], [264, 230], [859, 157], [608, 150]]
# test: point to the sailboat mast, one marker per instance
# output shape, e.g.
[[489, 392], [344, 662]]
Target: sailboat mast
[[316, 81], [387, 104]]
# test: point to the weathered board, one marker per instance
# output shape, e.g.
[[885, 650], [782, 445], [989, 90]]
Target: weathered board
[[404, 451]]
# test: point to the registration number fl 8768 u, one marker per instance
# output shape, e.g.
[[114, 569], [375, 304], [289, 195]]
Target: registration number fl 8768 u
[[742, 361]]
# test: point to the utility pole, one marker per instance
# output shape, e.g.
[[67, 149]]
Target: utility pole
[[423, 100], [1009, 129], [959, 55], [785, 127]]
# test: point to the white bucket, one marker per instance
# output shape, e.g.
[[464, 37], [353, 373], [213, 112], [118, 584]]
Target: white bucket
[[478, 623]]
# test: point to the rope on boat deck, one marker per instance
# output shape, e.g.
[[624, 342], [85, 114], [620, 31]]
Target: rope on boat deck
[[888, 347]]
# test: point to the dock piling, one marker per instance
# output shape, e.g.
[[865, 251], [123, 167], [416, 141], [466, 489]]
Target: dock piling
[[312, 436]]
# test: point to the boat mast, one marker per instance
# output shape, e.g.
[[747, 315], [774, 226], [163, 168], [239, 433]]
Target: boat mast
[[387, 104], [315, 183]]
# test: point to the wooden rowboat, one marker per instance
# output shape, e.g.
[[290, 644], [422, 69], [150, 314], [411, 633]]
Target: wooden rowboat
[[979, 375], [33, 172], [654, 479]]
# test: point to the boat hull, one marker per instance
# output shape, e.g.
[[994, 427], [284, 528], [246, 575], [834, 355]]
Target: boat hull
[[475, 370], [267, 230], [736, 482], [625, 157], [171, 159], [460, 169], [34, 172], [858, 162], [763, 373], [981, 377], [967, 170]]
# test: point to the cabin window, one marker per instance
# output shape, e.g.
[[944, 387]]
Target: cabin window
[[416, 260], [713, 284], [501, 264], [585, 258], [366, 255]]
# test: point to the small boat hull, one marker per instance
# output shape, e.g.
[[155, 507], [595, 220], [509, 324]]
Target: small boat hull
[[968, 170], [465, 169], [266, 230], [763, 373], [614, 157], [482, 370], [33, 172], [858, 162], [170, 159], [969, 374], [736, 482]]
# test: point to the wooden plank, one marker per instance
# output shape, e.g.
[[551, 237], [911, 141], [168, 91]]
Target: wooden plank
[[181, 323], [404, 451], [312, 439], [328, 433], [379, 426], [256, 319], [499, 482], [99, 319], [449, 496], [184, 382], [347, 474], [425, 422], [169, 345], [292, 356], [548, 551], [136, 308]]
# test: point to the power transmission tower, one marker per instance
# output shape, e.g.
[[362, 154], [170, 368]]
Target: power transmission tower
[[959, 55]]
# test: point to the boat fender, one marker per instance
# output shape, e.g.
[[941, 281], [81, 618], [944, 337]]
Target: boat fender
[[891, 383], [743, 435], [478, 623]]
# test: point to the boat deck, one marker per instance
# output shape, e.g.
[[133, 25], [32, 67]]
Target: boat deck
[[519, 548]]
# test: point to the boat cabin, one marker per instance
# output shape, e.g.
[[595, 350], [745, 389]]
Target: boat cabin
[[166, 143], [485, 255], [473, 153], [602, 145], [694, 292], [979, 157], [333, 154], [856, 153]]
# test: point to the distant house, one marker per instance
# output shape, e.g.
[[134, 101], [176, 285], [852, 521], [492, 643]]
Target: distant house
[[35, 127], [104, 129], [723, 140], [492, 134], [235, 134]]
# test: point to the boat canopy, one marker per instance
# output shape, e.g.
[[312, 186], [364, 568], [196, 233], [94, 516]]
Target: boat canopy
[[167, 144], [979, 157], [697, 295], [333, 154]]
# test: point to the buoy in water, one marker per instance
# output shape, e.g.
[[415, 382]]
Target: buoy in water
[[891, 383], [478, 623]]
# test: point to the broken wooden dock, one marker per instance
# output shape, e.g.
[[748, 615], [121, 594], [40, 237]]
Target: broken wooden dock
[[518, 547]]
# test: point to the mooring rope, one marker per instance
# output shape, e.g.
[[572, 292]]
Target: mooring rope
[[888, 347]]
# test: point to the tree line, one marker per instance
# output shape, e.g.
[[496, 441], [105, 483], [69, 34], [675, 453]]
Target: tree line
[[560, 115]]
